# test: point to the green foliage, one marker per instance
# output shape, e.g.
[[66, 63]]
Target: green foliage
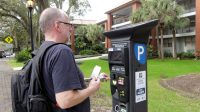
[[87, 37], [81, 40], [80, 43], [88, 52], [188, 54], [2, 46], [81, 31], [99, 48], [167, 54], [13, 63], [14, 18], [160, 99], [166, 11], [151, 53], [94, 33], [23, 56], [78, 7]]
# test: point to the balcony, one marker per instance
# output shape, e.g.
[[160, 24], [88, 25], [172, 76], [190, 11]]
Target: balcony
[[179, 31], [190, 10], [118, 20]]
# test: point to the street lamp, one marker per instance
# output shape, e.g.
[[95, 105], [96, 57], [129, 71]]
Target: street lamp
[[30, 5]]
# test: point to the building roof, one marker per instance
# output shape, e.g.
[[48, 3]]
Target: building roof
[[125, 3], [82, 22]]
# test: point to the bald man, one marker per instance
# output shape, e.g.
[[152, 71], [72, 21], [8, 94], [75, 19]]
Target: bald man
[[63, 80]]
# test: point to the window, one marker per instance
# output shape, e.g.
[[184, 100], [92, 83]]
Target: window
[[167, 43], [189, 41]]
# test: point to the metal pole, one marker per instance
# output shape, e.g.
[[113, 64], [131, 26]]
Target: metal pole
[[31, 30]]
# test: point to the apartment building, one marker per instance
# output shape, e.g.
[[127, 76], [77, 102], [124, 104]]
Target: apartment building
[[188, 39]]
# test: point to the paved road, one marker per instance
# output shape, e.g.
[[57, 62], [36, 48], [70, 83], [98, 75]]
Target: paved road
[[5, 96]]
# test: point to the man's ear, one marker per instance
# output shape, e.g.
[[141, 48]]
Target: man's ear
[[57, 27]]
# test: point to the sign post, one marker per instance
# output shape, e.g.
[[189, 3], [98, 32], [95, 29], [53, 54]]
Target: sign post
[[128, 67]]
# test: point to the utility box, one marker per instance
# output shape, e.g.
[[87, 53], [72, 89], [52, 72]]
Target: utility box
[[128, 67]]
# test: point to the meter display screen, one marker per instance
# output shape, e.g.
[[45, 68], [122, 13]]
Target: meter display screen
[[115, 56]]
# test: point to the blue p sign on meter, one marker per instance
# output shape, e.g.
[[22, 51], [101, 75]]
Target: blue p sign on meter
[[140, 53]]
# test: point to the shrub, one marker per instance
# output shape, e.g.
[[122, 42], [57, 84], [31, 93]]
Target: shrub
[[23, 55], [188, 54], [151, 53], [88, 52], [99, 48], [167, 54]]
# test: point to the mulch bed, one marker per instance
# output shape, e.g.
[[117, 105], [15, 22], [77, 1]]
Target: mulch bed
[[187, 85]]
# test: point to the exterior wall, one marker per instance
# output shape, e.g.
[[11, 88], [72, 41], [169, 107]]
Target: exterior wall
[[108, 28], [197, 40], [181, 41], [135, 5], [184, 44]]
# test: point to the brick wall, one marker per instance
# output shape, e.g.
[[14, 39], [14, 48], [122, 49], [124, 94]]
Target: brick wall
[[197, 39]]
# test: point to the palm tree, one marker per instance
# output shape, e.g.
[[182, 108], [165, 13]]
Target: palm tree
[[177, 23], [156, 9]]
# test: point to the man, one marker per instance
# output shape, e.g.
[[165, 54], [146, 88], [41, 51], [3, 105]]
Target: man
[[63, 80]]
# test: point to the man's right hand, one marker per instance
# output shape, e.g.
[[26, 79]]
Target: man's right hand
[[94, 84]]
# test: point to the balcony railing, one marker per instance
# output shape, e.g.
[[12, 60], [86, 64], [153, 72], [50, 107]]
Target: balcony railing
[[179, 31], [120, 20], [189, 10]]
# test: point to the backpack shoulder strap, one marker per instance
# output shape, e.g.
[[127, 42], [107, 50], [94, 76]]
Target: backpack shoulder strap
[[38, 61]]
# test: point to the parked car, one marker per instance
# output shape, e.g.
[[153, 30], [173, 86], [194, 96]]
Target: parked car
[[7, 53], [2, 54]]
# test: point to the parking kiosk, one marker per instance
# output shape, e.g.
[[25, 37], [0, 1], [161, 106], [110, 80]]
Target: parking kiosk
[[128, 67]]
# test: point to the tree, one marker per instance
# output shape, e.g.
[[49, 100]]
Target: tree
[[177, 23], [81, 40], [94, 33], [88, 36], [157, 9], [16, 9]]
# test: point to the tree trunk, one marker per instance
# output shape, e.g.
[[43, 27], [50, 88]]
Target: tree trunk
[[174, 43], [162, 50], [39, 37], [158, 42]]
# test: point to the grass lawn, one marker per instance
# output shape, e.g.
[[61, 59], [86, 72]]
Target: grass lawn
[[159, 98], [13, 63]]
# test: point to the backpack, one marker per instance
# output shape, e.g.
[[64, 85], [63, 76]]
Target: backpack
[[27, 91]]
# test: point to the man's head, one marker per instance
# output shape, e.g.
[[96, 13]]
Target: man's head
[[55, 25]]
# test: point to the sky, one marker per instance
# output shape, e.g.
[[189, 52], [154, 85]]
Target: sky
[[99, 7]]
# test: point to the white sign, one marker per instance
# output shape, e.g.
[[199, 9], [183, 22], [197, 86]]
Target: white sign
[[140, 86], [9, 45]]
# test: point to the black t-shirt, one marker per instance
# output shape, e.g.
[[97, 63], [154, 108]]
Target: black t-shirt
[[60, 73]]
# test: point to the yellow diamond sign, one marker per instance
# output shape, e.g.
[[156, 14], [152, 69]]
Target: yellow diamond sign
[[9, 39]]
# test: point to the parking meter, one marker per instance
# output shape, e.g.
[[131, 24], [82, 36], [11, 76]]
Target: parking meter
[[127, 59]]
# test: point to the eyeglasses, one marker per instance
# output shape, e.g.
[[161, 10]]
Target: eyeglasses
[[65, 23]]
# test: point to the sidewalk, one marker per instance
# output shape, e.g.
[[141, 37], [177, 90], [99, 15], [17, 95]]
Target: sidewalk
[[78, 60], [5, 94]]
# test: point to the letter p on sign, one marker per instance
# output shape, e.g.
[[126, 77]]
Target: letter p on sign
[[140, 52]]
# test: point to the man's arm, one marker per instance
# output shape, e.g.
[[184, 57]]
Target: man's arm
[[71, 98]]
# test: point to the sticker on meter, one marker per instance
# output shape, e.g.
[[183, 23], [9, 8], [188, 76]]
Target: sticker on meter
[[140, 86]]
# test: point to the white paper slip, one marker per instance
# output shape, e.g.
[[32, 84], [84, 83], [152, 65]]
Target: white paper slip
[[96, 71]]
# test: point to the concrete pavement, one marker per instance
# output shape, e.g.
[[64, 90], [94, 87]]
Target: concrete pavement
[[5, 92]]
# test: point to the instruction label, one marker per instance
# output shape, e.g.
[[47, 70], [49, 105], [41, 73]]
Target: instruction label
[[140, 86]]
